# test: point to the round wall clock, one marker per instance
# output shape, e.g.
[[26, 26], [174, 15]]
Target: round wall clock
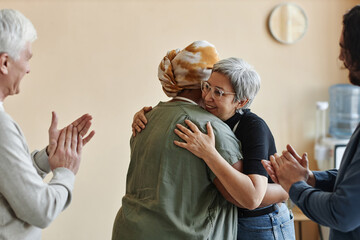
[[288, 23]]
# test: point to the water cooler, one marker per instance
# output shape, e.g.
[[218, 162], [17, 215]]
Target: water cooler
[[344, 116]]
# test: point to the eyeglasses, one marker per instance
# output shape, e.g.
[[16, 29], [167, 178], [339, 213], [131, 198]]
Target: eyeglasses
[[216, 92]]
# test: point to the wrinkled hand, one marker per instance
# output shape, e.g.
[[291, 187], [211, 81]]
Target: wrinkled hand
[[82, 124], [68, 150], [139, 120], [196, 142]]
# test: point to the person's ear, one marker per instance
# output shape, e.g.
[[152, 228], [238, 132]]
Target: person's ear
[[4, 61], [241, 104]]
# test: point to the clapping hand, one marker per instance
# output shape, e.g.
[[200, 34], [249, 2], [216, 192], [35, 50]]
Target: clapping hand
[[288, 168], [82, 124], [65, 145]]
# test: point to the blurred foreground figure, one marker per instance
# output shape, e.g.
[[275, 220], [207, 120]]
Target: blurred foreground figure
[[331, 197]]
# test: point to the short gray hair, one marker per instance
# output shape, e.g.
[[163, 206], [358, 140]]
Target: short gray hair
[[15, 31], [243, 77]]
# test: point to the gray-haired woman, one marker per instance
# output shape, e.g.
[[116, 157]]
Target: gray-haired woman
[[228, 94]]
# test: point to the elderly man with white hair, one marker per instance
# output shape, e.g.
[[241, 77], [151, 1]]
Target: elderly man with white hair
[[27, 203]]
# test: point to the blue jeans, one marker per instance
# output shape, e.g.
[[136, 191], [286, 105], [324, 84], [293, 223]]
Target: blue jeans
[[278, 225]]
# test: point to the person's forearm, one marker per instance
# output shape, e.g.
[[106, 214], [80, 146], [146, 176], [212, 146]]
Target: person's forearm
[[25, 204], [246, 191], [274, 194], [225, 193]]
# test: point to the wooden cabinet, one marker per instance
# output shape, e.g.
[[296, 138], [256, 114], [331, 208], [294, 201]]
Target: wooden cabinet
[[305, 229]]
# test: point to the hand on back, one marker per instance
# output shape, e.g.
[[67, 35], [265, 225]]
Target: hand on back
[[195, 141], [139, 120]]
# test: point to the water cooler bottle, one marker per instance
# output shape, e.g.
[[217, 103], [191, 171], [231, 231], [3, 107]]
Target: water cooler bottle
[[344, 116]]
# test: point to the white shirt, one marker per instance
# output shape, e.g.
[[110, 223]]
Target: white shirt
[[1, 106]]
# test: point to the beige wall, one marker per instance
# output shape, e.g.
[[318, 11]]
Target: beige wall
[[101, 57]]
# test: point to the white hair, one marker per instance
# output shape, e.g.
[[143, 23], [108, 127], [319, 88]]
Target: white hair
[[15, 31], [243, 77]]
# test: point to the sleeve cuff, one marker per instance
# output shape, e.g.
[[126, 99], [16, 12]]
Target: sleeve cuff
[[296, 189], [41, 160], [320, 178]]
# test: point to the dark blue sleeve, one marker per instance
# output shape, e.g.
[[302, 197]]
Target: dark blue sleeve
[[338, 209], [325, 180]]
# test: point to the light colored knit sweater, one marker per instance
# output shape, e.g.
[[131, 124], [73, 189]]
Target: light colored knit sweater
[[27, 203]]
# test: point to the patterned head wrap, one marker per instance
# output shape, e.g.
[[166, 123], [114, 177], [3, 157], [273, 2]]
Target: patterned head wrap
[[187, 68]]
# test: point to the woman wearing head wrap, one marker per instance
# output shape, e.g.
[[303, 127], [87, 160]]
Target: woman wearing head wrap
[[169, 191], [185, 69], [227, 94]]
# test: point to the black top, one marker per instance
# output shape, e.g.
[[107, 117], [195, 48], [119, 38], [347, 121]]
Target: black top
[[256, 140]]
